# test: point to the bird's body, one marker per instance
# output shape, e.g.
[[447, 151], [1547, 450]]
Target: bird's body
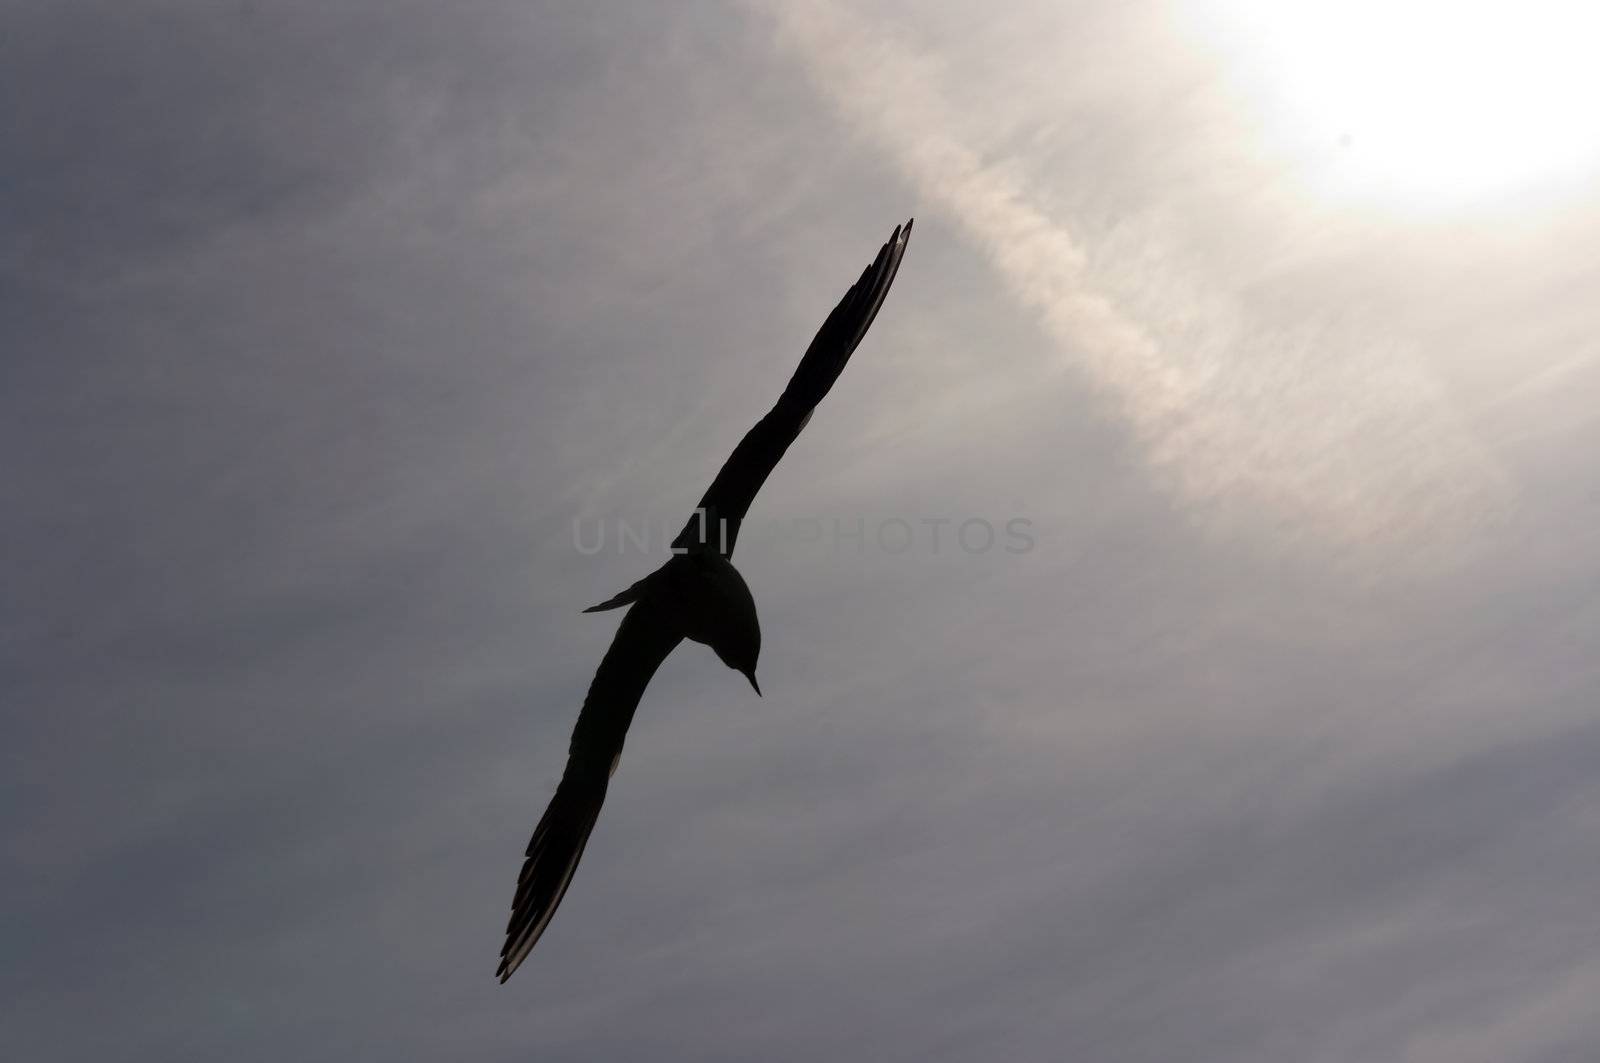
[[700, 595], [696, 595], [713, 606]]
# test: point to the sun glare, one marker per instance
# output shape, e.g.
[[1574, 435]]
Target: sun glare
[[1424, 102]]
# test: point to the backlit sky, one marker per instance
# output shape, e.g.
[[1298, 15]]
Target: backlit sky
[[329, 332]]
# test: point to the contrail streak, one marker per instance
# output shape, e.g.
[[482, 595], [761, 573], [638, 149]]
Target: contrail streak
[[1362, 448]]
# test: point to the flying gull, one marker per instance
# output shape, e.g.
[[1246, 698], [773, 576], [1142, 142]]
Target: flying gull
[[698, 595]]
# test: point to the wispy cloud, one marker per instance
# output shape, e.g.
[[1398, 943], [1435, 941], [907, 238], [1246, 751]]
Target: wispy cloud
[[326, 322], [1347, 437]]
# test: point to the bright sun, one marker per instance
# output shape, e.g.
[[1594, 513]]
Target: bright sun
[[1425, 102]]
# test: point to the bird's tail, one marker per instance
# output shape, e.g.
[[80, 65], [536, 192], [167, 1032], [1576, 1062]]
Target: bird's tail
[[552, 858], [627, 597]]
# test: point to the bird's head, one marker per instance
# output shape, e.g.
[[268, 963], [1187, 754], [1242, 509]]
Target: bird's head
[[725, 613], [739, 650]]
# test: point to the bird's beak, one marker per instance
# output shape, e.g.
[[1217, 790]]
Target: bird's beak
[[751, 675]]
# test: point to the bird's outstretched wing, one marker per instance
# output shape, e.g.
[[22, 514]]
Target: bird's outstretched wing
[[642, 642], [716, 520]]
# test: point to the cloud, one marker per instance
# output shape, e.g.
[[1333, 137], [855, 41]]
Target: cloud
[[365, 302], [1340, 437]]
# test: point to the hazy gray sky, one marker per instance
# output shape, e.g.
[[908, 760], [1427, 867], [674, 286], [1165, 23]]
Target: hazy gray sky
[[322, 323]]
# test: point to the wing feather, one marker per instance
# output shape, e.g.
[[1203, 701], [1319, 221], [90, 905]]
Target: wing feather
[[722, 509], [642, 642]]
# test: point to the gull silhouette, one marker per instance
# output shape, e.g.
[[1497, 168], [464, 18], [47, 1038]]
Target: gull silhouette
[[697, 595]]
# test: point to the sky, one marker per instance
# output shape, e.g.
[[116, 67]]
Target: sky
[[1178, 621]]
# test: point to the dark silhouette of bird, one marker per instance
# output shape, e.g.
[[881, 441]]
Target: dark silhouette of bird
[[697, 595]]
